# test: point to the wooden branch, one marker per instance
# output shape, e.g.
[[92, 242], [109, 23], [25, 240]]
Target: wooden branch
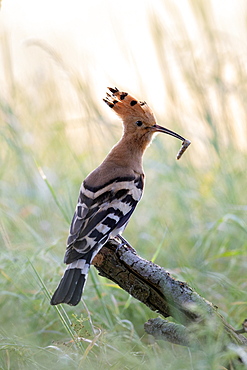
[[158, 290], [150, 283], [168, 331]]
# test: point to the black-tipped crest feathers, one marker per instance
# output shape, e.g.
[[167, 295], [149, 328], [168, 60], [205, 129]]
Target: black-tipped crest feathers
[[126, 105]]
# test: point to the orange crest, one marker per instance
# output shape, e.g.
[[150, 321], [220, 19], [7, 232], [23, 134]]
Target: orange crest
[[127, 106]]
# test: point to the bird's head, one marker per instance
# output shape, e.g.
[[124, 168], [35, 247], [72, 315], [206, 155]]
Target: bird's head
[[138, 119]]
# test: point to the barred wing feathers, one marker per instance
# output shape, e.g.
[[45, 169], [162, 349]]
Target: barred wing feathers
[[102, 212]]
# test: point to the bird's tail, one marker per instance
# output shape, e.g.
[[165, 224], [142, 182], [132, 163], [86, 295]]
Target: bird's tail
[[72, 283]]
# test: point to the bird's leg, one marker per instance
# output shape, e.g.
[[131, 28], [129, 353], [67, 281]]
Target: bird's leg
[[124, 242]]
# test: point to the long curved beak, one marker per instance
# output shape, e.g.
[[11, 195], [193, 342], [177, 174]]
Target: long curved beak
[[185, 142], [158, 128]]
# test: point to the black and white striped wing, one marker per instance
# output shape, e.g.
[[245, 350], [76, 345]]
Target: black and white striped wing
[[102, 212]]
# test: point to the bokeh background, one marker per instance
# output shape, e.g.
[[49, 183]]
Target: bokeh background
[[188, 60]]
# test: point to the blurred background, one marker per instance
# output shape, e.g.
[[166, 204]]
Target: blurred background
[[188, 60]]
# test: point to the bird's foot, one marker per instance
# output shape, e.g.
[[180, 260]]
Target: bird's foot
[[124, 242]]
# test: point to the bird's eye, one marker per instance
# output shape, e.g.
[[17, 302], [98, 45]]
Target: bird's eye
[[139, 123]]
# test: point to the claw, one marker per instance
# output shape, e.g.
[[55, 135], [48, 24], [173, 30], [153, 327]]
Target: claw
[[124, 242]]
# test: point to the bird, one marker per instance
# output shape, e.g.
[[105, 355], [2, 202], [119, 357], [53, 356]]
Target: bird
[[109, 195]]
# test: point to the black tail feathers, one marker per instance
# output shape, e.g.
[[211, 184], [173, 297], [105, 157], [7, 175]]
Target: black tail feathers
[[70, 287]]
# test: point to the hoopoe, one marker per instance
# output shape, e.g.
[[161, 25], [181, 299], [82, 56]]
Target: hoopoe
[[109, 195]]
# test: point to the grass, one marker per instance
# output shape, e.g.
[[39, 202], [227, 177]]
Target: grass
[[192, 219]]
